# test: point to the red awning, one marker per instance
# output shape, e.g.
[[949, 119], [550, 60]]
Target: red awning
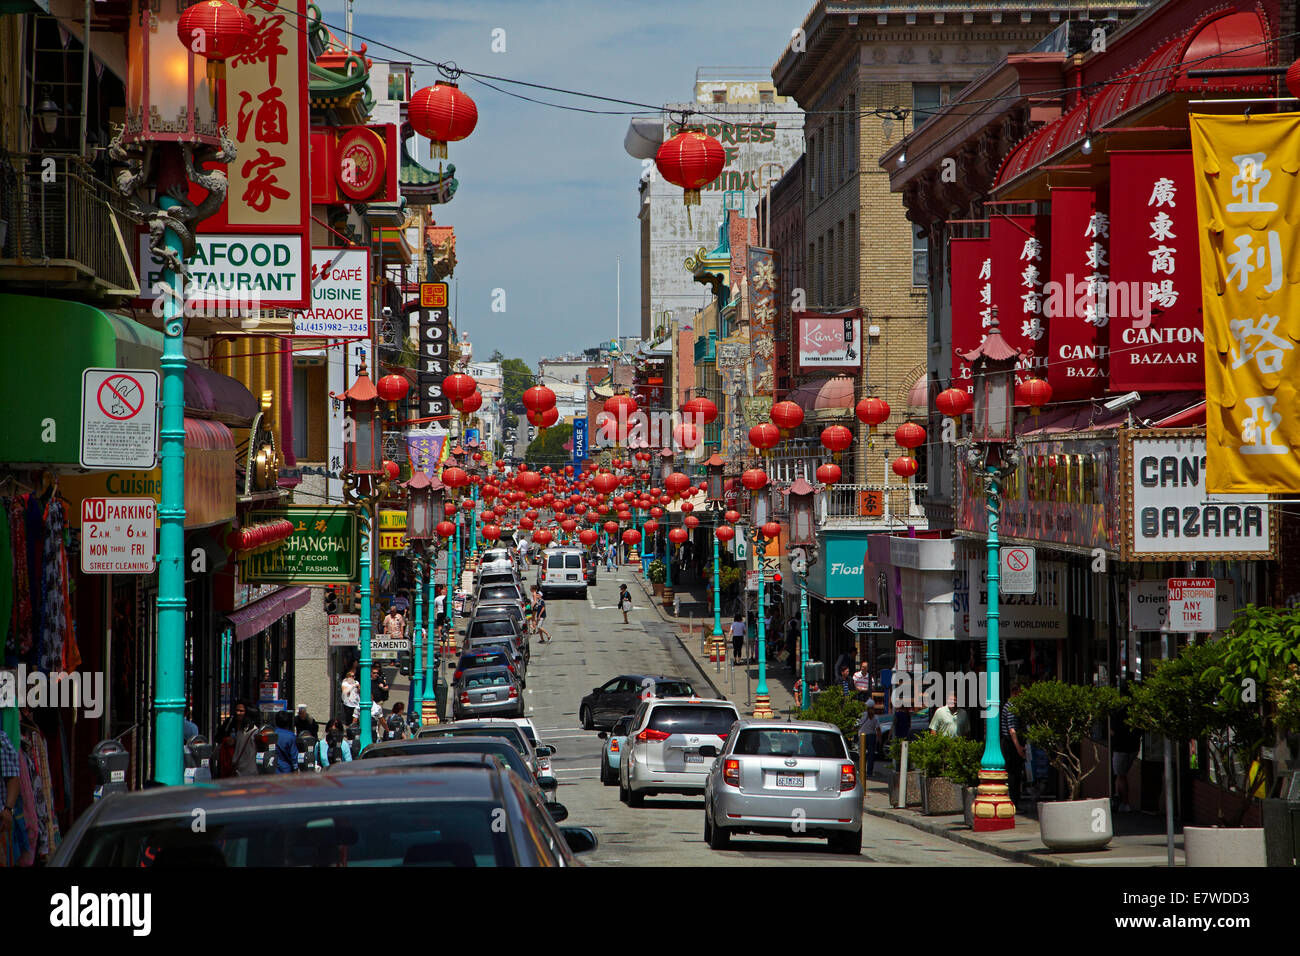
[[1162, 410], [1220, 40], [831, 394], [257, 617]]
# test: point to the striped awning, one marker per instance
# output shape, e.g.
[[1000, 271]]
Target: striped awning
[[254, 618]]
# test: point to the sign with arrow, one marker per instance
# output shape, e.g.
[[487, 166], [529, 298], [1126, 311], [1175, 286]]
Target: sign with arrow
[[865, 625]]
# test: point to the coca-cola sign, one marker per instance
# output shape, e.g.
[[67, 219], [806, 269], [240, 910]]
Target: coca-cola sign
[[829, 340]]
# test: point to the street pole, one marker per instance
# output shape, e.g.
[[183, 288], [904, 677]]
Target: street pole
[[805, 699], [762, 702], [430, 642], [417, 639], [473, 528], [364, 518], [717, 591], [169, 684], [993, 808]]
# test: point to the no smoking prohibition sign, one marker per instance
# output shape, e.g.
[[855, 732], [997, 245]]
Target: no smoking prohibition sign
[[1017, 560], [119, 420], [1016, 575]]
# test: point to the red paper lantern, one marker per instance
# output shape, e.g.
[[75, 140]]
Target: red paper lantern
[[836, 438], [787, 415], [454, 477], [771, 530], [623, 407], [611, 527], [449, 509], [731, 517], [872, 412], [542, 538], [445, 529], [677, 483], [467, 505], [905, 466], [686, 436], [605, 483], [909, 435], [754, 479], [725, 533], [549, 417], [1034, 392], [468, 406], [687, 507], [764, 436], [528, 481], [457, 387], [569, 525], [392, 470], [678, 536], [691, 522], [656, 512], [588, 536], [391, 388], [444, 114], [491, 532], [953, 402], [829, 473], [538, 398], [631, 537], [691, 160], [651, 526], [526, 523], [215, 30], [701, 408]]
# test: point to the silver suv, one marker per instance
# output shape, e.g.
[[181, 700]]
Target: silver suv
[[671, 744], [784, 778], [562, 570]]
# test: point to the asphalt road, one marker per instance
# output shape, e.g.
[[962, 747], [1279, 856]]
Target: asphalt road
[[591, 645]]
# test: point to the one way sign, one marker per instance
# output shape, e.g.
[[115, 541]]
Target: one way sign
[[862, 625]]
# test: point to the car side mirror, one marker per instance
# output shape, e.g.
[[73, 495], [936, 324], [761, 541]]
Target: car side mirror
[[545, 750], [558, 811], [580, 839], [708, 751], [601, 735], [548, 784]]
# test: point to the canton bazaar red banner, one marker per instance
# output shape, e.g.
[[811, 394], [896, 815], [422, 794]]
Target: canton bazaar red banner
[[1160, 344], [972, 301], [1019, 247], [1076, 302]]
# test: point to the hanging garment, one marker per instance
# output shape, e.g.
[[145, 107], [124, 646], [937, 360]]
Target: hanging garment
[[41, 752], [71, 657], [29, 811], [39, 806], [8, 651], [21, 626], [54, 617]]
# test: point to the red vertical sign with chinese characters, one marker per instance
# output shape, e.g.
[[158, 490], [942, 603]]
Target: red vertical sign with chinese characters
[[1019, 249], [1161, 343], [972, 301], [263, 230], [1076, 304]]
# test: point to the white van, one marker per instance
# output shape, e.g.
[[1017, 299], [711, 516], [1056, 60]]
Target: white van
[[562, 571]]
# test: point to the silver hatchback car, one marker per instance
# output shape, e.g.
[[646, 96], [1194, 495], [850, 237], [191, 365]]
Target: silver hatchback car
[[670, 744], [786, 779]]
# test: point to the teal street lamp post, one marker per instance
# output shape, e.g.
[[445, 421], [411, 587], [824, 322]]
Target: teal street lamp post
[[713, 468], [803, 541], [417, 639], [993, 455], [763, 529]]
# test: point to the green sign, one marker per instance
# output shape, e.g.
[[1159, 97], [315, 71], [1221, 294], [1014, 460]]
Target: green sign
[[323, 549]]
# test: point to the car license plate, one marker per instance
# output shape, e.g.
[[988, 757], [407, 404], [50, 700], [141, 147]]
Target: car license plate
[[694, 757], [573, 577], [487, 697], [789, 780]]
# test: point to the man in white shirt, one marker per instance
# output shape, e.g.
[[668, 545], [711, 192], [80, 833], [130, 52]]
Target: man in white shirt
[[862, 683]]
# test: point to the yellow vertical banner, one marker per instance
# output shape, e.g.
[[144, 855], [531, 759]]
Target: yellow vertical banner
[[1248, 211]]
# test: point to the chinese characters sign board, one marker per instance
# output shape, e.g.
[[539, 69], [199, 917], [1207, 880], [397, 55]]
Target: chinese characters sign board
[[1158, 342], [1075, 307], [323, 549], [340, 293], [762, 321], [972, 302], [1246, 197], [1020, 269]]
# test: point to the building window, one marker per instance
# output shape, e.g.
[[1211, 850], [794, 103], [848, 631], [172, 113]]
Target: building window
[[927, 98], [767, 96], [852, 253], [719, 96], [920, 257], [853, 133]]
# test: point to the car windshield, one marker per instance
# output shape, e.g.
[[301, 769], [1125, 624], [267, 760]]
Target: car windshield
[[496, 746], [423, 833], [500, 591], [693, 720], [673, 688], [758, 742], [483, 660]]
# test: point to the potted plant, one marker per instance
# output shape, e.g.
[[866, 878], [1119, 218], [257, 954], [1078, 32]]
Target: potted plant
[[657, 572], [1058, 718], [932, 755], [1231, 694]]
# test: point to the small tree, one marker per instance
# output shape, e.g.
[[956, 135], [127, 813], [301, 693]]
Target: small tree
[[1059, 717], [832, 707]]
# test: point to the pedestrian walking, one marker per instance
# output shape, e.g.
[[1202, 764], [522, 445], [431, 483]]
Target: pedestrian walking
[[539, 615], [378, 684], [302, 721], [351, 689], [751, 638], [945, 722], [869, 728], [1013, 746], [792, 644], [286, 744], [738, 632], [624, 601], [1124, 744]]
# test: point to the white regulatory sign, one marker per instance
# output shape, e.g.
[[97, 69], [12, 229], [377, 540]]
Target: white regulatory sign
[[1192, 604], [344, 630], [117, 535], [119, 418], [1017, 573]]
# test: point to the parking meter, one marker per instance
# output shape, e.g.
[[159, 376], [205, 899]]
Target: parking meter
[[110, 762], [198, 759], [306, 752], [266, 749]]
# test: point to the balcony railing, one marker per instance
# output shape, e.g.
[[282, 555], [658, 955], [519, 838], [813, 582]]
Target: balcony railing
[[62, 226], [857, 505], [706, 347]]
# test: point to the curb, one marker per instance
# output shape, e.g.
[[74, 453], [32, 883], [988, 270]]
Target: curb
[[935, 828]]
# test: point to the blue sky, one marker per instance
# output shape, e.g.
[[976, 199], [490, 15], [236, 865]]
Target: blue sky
[[547, 198]]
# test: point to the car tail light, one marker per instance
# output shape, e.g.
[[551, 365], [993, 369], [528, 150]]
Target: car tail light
[[613, 746], [649, 734], [464, 697], [456, 676], [514, 692], [731, 773], [848, 776]]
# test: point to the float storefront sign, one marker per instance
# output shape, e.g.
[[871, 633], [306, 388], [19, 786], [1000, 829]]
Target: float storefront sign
[[1246, 196], [1157, 342], [972, 298], [340, 295], [829, 340], [1169, 516], [323, 549], [269, 198]]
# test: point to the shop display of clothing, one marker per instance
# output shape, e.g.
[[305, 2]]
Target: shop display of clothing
[[54, 589], [21, 615]]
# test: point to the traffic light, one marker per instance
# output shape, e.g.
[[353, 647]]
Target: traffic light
[[331, 601]]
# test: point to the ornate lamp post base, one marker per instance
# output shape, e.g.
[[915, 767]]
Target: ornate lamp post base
[[993, 808], [717, 651], [429, 712], [763, 707]]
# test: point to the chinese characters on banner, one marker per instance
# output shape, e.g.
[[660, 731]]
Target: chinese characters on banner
[[1158, 342], [1246, 197], [265, 110], [426, 453], [1076, 303], [972, 302], [762, 320], [1018, 245]]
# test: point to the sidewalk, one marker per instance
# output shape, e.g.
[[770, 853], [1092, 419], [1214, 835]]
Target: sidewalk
[[1139, 838]]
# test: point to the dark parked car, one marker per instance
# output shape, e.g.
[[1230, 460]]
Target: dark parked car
[[607, 703], [444, 751], [503, 729], [386, 816]]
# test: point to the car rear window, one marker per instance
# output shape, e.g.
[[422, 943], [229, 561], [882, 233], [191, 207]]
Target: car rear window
[[555, 561], [693, 719], [573, 560], [500, 591], [494, 658], [508, 732], [673, 688], [432, 833], [492, 629], [759, 742], [488, 680]]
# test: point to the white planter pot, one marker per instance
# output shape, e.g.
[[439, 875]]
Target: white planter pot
[[1224, 846], [1074, 825]]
